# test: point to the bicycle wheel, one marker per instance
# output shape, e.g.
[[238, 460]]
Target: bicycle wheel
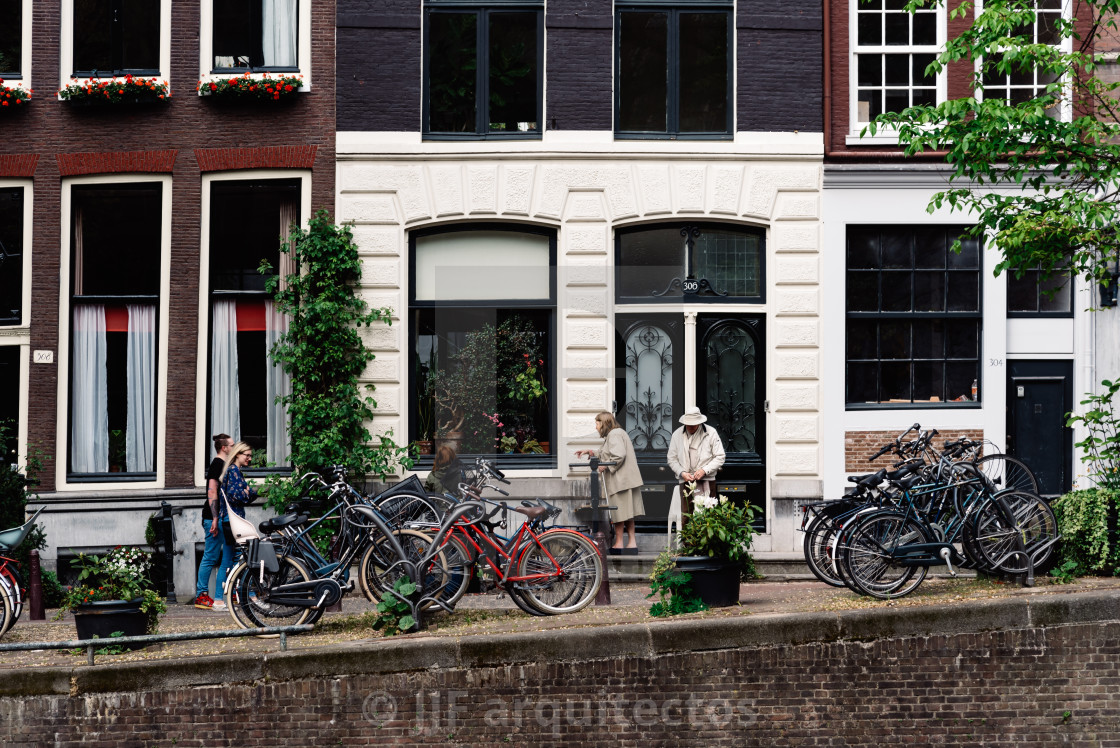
[[252, 595], [375, 575], [1034, 524], [868, 556], [569, 584], [16, 591], [1008, 473], [233, 596], [6, 619], [819, 538], [992, 535], [399, 511]]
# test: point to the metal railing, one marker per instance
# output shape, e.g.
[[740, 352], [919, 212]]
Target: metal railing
[[92, 645]]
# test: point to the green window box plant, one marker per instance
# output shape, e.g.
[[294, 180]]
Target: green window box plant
[[123, 574], [245, 87], [127, 90]]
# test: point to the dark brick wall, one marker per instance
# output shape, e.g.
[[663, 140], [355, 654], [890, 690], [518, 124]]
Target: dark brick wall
[[579, 65], [379, 65], [780, 66], [1033, 686], [109, 140]]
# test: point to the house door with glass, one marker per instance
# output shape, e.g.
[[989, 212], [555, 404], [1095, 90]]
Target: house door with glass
[[668, 361]]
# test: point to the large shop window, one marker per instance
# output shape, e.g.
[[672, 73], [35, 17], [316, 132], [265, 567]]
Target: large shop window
[[725, 263], [673, 70], [9, 404], [892, 48], [11, 38], [116, 37], [115, 279], [913, 317], [482, 323], [483, 70], [11, 255], [256, 35], [244, 323]]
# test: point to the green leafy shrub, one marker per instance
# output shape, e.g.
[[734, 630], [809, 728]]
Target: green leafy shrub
[[121, 574], [323, 353], [720, 528], [1087, 524], [14, 495], [673, 588], [393, 614]]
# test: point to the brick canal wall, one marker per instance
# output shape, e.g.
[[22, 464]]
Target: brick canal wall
[[1014, 672]]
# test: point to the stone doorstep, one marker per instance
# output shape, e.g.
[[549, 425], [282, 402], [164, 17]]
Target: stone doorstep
[[610, 642]]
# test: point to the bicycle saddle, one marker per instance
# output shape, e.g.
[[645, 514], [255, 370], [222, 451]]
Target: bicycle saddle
[[870, 480], [11, 539], [270, 526], [532, 512]]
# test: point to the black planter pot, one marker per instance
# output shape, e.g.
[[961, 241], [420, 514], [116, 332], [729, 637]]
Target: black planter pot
[[104, 618], [714, 581]]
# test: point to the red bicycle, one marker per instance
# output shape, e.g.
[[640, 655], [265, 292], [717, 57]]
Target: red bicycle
[[12, 588]]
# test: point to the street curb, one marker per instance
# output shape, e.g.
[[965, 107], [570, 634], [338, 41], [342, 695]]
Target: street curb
[[642, 640]]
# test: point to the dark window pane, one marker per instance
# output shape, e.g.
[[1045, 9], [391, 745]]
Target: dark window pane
[[925, 29], [929, 250], [959, 379], [964, 292], [11, 37], [896, 100], [730, 260], [239, 241], [114, 256], [11, 256], [929, 292], [1022, 293], [929, 381], [924, 97], [869, 70], [962, 339], [513, 72], [863, 248], [863, 382], [897, 296], [873, 100], [898, 28], [863, 292], [235, 44], [452, 72], [93, 30], [1055, 294], [650, 259], [9, 402], [642, 72], [897, 244], [862, 339], [896, 382], [929, 339], [897, 69], [968, 257], [139, 34], [894, 339], [869, 29], [920, 63], [703, 72]]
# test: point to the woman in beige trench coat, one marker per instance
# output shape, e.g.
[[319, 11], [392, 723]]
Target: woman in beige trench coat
[[622, 483]]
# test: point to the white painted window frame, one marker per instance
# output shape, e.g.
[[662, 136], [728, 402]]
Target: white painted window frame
[[20, 335], [206, 47], [66, 47], [203, 445], [62, 433], [24, 79]]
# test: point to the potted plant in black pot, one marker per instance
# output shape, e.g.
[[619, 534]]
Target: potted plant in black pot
[[715, 546], [114, 593]]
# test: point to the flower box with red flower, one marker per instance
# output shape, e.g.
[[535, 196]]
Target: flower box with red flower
[[13, 97], [251, 87], [105, 91]]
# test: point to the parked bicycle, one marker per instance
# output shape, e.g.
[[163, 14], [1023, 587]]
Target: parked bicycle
[[13, 591]]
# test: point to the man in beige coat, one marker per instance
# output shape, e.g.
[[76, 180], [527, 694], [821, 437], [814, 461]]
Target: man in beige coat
[[695, 455]]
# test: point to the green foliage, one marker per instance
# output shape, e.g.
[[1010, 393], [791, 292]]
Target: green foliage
[[1062, 217], [393, 613], [14, 495], [1064, 574], [1087, 524], [112, 649], [53, 593], [720, 528], [324, 355], [1101, 448], [674, 589]]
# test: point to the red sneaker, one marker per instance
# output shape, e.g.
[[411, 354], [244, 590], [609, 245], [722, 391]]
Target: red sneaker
[[204, 602]]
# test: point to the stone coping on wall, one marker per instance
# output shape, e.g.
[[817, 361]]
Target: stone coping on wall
[[634, 641]]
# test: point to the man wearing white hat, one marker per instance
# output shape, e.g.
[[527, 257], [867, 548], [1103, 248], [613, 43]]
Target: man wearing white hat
[[695, 454]]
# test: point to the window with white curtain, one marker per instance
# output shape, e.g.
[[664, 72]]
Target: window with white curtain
[[115, 274], [244, 323], [255, 35]]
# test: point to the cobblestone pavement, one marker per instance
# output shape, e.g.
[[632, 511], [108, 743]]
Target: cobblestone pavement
[[492, 614]]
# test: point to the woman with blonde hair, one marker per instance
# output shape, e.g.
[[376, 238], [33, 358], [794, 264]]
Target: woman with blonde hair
[[235, 494], [622, 482]]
